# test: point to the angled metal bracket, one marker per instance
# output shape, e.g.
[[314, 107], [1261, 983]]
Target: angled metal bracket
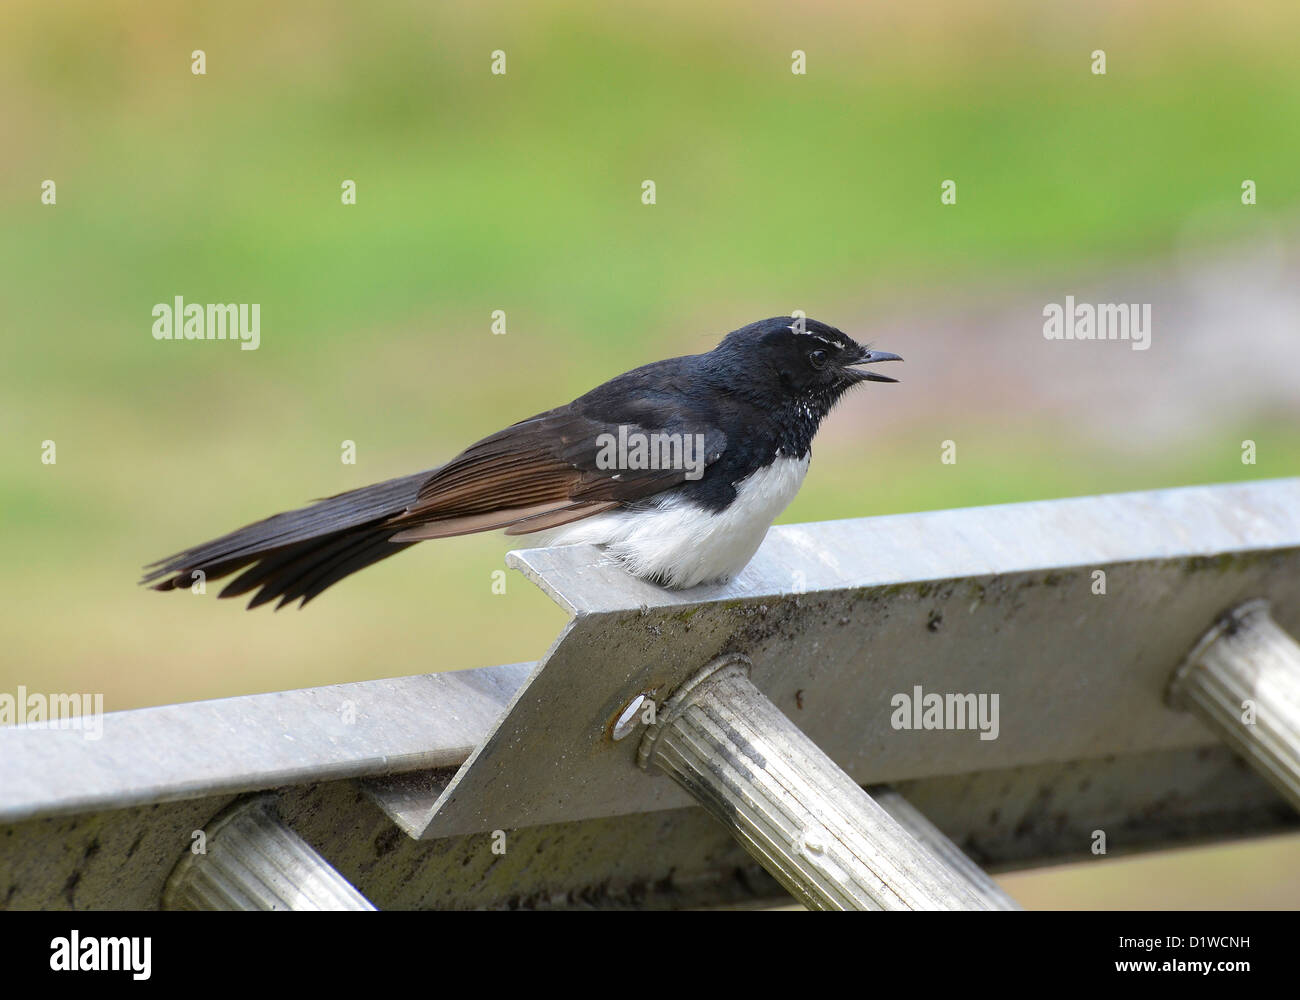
[[1049, 605]]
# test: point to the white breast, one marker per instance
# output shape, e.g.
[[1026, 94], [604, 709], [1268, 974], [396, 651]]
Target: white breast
[[682, 545]]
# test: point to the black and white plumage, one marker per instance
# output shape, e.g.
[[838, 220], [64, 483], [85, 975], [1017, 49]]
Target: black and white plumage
[[754, 404]]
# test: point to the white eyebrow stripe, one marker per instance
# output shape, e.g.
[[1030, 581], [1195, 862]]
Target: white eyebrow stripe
[[837, 344]]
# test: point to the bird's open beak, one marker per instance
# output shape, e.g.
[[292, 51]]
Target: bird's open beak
[[870, 358]]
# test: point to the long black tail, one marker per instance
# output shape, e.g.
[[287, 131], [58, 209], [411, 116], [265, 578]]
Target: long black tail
[[297, 554]]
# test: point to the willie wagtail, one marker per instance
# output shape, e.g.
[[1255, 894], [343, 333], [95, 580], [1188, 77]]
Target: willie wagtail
[[677, 468]]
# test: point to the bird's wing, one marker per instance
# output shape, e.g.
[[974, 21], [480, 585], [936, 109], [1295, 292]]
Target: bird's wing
[[549, 470]]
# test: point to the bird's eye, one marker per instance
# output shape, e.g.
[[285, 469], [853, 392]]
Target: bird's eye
[[817, 359]]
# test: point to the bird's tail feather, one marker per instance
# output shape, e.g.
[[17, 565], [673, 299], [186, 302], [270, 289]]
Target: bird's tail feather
[[297, 554]]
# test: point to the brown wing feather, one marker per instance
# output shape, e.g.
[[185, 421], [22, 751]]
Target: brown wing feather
[[564, 515], [511, 517], [537, 474]]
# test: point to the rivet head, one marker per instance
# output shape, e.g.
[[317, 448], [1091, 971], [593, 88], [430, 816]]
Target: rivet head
[[627, 719]]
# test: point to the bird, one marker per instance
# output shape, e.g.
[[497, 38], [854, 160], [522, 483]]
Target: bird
[[676, 468]]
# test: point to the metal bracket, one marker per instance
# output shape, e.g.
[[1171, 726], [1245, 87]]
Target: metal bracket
[[841, 617]]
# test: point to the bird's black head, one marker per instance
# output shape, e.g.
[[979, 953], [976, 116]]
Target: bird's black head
[[800, 360]]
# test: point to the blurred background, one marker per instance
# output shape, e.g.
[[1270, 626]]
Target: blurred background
[[522, 193]]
